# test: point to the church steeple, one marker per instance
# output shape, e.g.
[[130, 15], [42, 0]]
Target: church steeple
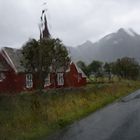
[[44, 31]]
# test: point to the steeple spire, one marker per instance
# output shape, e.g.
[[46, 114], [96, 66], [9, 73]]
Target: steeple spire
[[46, 33], [43, 27]]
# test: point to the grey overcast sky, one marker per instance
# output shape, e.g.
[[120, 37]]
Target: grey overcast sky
[[73, 21]]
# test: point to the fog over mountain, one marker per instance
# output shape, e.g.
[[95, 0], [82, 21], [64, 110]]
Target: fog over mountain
[[124, 42]]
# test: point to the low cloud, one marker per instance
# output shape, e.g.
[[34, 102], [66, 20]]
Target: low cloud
[[72, 21]]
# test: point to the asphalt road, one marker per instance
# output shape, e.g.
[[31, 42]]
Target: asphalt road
[[118, 121]]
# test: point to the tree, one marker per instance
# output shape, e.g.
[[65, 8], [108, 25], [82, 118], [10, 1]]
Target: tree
[[60, 58], [107, 70], [96, 68], [126, 67], [39, 57]]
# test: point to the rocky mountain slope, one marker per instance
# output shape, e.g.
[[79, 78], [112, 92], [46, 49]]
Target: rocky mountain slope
[[115, 45]]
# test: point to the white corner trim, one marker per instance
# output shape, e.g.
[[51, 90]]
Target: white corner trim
[[9, 61]]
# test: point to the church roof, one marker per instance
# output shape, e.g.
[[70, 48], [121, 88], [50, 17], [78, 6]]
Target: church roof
[[14, 58]]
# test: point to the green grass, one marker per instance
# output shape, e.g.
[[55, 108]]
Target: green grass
[[32, 116]]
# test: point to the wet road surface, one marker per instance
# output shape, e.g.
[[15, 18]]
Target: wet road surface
[[118, 121]]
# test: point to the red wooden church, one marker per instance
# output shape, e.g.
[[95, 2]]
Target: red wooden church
[[14, 78]]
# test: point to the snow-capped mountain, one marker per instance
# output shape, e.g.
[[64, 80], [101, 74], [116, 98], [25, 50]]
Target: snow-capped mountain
[[124, 42]]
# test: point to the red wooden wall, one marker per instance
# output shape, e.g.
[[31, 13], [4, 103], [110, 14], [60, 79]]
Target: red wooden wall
[[17, 81]]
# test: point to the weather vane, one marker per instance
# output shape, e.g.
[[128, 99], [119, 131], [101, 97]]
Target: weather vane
[[45, 5]]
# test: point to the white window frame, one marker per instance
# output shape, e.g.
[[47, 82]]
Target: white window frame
[[47, 81], [60, 79], [29, 80]]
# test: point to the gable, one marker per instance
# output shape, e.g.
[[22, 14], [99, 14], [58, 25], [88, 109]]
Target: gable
[[13, 58], [78, 69]]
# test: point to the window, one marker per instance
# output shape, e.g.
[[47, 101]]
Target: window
[[29, 81], [47, 81], [2, 76], [60, 79]]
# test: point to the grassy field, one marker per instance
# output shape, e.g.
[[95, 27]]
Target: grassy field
[[32, 116]]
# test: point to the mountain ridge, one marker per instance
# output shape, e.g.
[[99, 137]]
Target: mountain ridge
[[124, 42]]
